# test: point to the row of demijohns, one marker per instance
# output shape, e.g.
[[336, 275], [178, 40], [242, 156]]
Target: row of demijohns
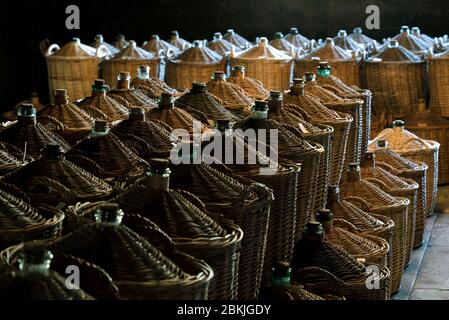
[[92, 178]]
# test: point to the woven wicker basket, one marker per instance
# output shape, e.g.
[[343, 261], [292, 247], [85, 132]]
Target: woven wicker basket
[[77, 123], [396, 78], [221, 46], [353, 107], [175, 117], [319, 114], [267, 64], [344, 65], [321, 134], [297, 39], [102, 107], [134, 97], [428, 125], [20, 222], [195, 64], [178, 42], [438, 67], [53, 179], [152, 87], [366, 248], [381, 202], [334, 84], [281, 178], [417, 171], [120, 42], [282, 44], [343, 41], [292, 146], [395, 186], [253, 87], [411, 42], [414, 148], [99, 41], [162, 273], [107, 156], [234, 98], [236, 39], [73, 67], [128, 60], [188, 223], [428, 41], [28, 135], [314, 252], [158, 47], [367, 43]]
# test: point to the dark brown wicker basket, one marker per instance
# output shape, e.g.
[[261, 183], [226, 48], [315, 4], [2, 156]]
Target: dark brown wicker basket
[[11, 158], [186, 220], [28, 135]]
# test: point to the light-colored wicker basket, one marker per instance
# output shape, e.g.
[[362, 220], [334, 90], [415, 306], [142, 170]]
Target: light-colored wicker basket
[[438, 84], [99, 41], [297, 40], [415, 148], [253, 87], [267, 64], [345, 65], [236, 39], [73, 67], [128, 60], [222, 46], [396, 77], [367, 43], [282, 44], [158, 47], [178, 42], [196, 64], [428, 125], [411, 42], [343, 41]]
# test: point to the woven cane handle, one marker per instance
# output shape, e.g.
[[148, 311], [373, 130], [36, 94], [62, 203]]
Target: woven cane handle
[[51, 50], [345, 224], [102, 51], [59, 125], [386, 166], [378, 183], [424, 143]]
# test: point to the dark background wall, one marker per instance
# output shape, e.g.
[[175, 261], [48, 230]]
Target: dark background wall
[[23, 23]]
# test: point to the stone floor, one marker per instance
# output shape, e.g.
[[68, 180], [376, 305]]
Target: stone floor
[[427, 276]]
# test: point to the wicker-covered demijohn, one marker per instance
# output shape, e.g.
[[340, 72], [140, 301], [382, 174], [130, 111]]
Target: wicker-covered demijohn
[[107, 156], [197, 63], [73, 67], [396, 77], [319, 114], [343, 41], [438, 68], [120, 42], [134, 97], [253, 87], [152, 87], [178, 42], [236, 39], [52, 179], [77, 123], [28, 135], [267, 64], [11, 158], [99, 41], [280, 43], [234, 98], [382, 203], [221, 46], [345, 65], [352, 107], [128, 59], [411, 42], [417, 171], [332, 83], [187, 222], [412, 147], [367, 43], [162, 272], [102, 107], [316, 259], [297, 40], [159, 47]]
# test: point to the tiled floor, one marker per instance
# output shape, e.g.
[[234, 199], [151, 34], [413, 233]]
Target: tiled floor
[[427, 277]]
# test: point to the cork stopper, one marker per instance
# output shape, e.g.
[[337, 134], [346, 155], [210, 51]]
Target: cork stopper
[[278, 35], [61, 97], [324, 69], [309, 76], [297, 87], [294, 30], [398, 125], [166, 101], [198, 87], [109, 213], [405, 29], [124, 79], [416, 31], [99, 39], [27, 113], [382, 143], [353, 173], [281, 274], [76, 40], [53, 151], [422, 105], [324, 215], [238, 71], [99, 87], [100, 126], [275, 101], [393, 44], [357, 30], [137, 114], [342, 34], [368, 160], [175, 33], [230, 32], [313, 231], [217, 36], [155, 37], [144, 72], [219, 76], [333, 194], [329, 41], [35, 258]]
